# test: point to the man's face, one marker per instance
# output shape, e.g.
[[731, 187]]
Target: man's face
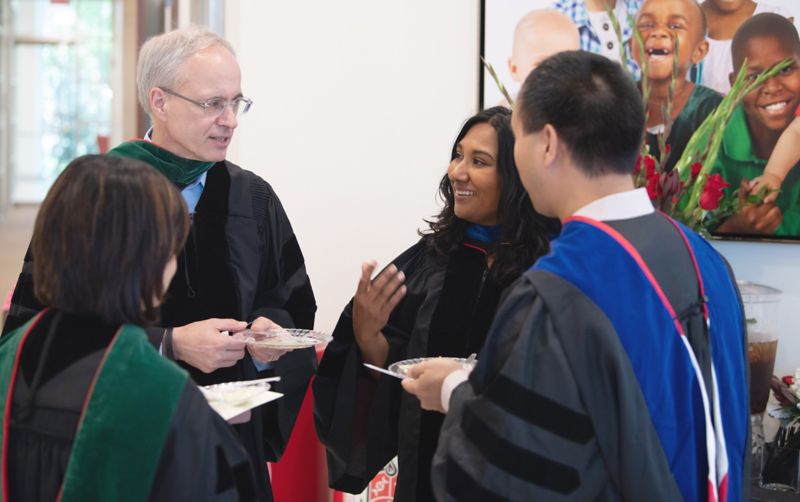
[[660, 22], [528, 155], [187, 130], [771, 107]]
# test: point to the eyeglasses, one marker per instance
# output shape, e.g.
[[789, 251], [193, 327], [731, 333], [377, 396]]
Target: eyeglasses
[[215, 107]]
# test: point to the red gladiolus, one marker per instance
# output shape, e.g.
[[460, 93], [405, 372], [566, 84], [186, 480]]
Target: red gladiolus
[[695, 169], [654, 189], [716, 182], [649, 166], [637, 167], [712, 192]]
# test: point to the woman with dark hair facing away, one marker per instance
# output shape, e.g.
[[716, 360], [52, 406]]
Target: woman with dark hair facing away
[[438, 298], [91, 410]]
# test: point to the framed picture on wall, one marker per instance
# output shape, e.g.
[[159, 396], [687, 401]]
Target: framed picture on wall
[[513, 41], [499, 23]]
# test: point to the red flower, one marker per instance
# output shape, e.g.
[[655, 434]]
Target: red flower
[[637, 167], [695, 169], [715, 182], [654, 189], [712, 192], [667, 149], [649, 166]]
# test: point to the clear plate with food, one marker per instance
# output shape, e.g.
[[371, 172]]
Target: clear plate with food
[[401, 367], [233, 398], [286, 339]]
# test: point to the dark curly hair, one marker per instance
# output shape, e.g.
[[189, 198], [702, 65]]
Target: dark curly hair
[[525, 234]]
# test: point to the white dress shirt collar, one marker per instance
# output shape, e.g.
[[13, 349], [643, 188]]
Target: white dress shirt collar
[[618, 206]]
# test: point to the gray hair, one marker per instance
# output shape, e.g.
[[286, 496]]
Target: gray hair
[[161, 57]]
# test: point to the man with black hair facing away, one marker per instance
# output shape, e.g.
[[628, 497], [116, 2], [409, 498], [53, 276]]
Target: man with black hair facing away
[[615, 369]]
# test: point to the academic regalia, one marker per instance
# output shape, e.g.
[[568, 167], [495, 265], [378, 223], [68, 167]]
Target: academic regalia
[[586, 389], [241, 261], [365, 421], [83, 422]]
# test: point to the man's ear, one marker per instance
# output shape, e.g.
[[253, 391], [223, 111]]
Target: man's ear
[[552, 143], [158, 102]]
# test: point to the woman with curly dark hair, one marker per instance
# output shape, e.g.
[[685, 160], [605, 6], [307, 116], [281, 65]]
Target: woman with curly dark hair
[[438, 298]]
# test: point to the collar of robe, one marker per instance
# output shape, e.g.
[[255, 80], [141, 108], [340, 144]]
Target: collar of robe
[[483, 233], [177, 169]]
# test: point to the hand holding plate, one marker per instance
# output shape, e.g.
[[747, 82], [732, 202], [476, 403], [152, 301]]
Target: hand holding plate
[[264, 354], [425, 381]]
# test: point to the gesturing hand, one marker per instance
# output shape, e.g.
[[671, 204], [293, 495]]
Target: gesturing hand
[[203, 345], [375, 300]]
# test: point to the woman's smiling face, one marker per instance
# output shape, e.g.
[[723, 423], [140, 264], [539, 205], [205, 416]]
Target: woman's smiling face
[[474, 177]]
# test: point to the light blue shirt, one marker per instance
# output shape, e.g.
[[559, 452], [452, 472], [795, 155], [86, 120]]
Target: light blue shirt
[[191, 193]]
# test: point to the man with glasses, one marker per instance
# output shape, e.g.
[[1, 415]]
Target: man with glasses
[[242, 264]]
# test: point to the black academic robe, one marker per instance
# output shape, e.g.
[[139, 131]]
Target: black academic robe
[[201, 458], [365, 421], [554, 410], [242, 261]]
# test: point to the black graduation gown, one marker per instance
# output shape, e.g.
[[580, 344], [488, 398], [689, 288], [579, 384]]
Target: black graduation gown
[[242, 261], [363, 421], [201, 459]]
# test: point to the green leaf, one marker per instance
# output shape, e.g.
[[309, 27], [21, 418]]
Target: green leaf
[[497, 82]]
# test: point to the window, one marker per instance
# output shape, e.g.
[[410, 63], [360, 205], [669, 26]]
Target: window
[[59, 101]]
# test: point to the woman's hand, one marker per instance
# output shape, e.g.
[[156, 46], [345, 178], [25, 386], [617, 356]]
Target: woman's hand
[[373, 302]]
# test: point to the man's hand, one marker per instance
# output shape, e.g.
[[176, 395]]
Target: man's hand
[[373, 302], [426, 381], [203, 345], [263, 354], [762, 218]]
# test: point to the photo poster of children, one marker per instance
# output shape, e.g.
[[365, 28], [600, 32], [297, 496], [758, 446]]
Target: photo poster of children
[[517, 35]]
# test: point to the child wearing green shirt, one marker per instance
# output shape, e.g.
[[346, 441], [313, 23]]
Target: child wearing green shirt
[[756, 126]]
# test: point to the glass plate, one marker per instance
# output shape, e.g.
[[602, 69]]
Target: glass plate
[[233, 393], [401, 367], [286, 339]]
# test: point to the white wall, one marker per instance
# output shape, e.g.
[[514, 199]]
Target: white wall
[[356, 105]]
